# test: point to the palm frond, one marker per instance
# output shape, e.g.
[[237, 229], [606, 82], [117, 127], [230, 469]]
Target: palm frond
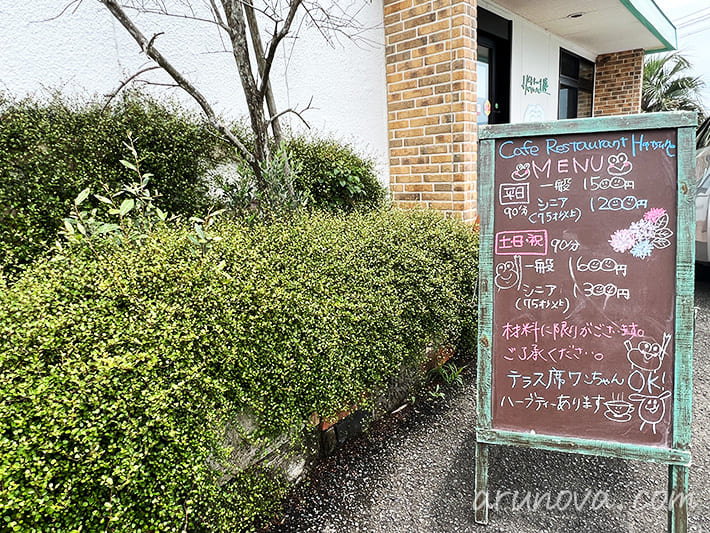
[[668, 85]]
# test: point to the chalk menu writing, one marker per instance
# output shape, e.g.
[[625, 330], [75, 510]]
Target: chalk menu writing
[[584, 284]]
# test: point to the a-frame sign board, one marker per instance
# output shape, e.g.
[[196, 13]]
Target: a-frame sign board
[[586, 291]]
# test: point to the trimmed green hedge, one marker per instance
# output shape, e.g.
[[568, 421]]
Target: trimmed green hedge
[[49, 151], [120, 368]]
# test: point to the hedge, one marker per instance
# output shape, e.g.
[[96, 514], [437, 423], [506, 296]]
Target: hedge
[[49, 151], [122, 367]]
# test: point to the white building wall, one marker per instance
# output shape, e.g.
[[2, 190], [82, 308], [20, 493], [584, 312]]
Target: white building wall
[[535, 53], [86, 52]]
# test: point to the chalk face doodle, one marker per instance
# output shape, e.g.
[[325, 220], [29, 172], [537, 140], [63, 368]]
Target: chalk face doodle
[[652, 409], [521, 172], [509, 274], [619, 165], [618, 409], [647, 355]]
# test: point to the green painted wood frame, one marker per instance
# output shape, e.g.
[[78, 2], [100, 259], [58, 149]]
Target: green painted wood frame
[[678, 455]]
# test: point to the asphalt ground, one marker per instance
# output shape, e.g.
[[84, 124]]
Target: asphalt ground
[[414, 471]]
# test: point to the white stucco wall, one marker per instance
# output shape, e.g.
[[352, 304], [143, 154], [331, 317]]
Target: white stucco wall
[[535, 52], [87, 52]]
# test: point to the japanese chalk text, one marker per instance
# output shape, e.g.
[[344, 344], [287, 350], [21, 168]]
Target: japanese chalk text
[[584, 231]]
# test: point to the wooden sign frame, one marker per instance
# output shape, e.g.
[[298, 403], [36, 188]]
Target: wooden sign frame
[[677, 456]]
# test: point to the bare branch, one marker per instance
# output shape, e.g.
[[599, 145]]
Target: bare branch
[[273, 45], [236, 17], [270, 15], [217, 14], [240, 46], [255, 100], [128, 80], [158, 84], [339, 19], [317, 25], [297, 113], [152, 39], [219, 19], [66, 8], [259, 53], [177, 15], [150, 50]]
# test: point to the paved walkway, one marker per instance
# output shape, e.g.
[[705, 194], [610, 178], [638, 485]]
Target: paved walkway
[[414, 472]]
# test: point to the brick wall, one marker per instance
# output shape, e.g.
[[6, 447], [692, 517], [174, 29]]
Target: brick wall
[[617, 85], [431, 88], [584, 105]]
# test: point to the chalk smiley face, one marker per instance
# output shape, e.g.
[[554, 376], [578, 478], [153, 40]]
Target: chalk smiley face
[[508, 273], [619, 165], [521, 172], [652, 409], [647, 355], [618, 410]]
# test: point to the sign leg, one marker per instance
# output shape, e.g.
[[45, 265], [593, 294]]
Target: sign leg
[[678, 481], [481, 498]]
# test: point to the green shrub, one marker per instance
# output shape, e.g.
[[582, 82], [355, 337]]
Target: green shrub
[[51, 151], [328, 174], [121, 366], [333, 174]]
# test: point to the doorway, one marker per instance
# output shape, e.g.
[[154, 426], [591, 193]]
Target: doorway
[[493, 68]]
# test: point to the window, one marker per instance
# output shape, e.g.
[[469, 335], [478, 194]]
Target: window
[[576, 86]]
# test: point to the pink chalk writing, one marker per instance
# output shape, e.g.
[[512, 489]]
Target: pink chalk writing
[[566, 330], [555, 379], [525, 242], [554, 355]]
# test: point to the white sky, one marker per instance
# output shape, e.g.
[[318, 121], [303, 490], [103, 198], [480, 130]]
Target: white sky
[[692, 19]]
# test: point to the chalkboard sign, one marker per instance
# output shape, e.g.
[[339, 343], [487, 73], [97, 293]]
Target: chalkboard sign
[[584, 285], [585, 333]]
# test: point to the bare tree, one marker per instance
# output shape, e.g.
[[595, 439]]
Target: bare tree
[[243, 26]]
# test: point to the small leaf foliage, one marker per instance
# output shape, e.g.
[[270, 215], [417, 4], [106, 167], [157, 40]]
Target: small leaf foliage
[[122, 366]]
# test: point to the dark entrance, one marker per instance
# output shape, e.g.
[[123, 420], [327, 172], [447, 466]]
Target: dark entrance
[[493, 68]]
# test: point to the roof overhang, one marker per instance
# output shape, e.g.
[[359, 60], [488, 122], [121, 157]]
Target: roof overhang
[[601, 26]]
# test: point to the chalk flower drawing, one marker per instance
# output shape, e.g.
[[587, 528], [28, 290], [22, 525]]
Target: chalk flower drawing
[[654, 214], [622, 240], [643, 236], [663, 233], [643, 230], [642, 249]]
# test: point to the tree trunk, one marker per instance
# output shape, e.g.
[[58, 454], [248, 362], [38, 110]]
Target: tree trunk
[[259, 53], [255, 103]]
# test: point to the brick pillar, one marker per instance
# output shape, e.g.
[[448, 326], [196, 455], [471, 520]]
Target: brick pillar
[[618, 82], [431, 95]]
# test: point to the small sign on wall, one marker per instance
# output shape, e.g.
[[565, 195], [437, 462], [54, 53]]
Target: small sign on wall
[[533, 85]]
